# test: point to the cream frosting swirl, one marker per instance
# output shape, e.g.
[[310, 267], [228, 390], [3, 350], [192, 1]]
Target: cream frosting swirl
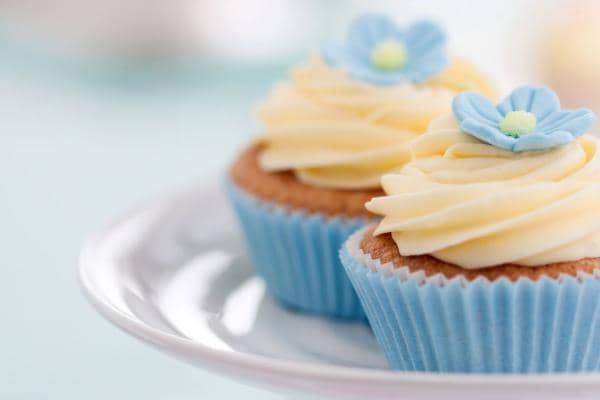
[[333, 131], [475, 205]]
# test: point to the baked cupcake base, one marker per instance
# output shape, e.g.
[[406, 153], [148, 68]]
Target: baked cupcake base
[[446, 322], [384, 249], [283, 189], [293, 233]]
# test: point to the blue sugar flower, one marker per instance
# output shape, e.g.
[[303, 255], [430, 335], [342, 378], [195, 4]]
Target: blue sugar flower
[[529, 119], [380, 52]]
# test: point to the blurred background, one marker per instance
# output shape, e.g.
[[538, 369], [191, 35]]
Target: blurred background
[[105, 103]]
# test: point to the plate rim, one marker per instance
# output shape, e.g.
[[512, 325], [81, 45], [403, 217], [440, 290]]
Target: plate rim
[[208, 356]]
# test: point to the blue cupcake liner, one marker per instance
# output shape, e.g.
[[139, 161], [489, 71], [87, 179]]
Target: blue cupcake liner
[[296, 253], [454, 325]]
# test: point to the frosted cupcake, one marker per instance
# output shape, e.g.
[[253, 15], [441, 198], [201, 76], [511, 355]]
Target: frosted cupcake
[[487, 256], [344, 118]]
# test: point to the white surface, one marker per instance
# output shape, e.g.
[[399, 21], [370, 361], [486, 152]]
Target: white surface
[[173, 273]]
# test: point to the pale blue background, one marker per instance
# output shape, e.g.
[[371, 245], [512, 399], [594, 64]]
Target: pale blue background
[[74, 152], [80, 140]]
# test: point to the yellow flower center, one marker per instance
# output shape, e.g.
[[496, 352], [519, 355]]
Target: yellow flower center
[[389, 55], [518, 123]]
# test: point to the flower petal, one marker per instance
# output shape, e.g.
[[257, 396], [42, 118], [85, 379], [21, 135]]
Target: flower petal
[[368, 30], [543, 103], [541, 141], [487, 133], [376, 77], [539, 101], [334, 54], [475, 106], [554, 127], [425, 49], [423, 37], [576, 122], [423, 68]]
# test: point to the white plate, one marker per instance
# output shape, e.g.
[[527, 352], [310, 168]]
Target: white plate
[[174, 274]]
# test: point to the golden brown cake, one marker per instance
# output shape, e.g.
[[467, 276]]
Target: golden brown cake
[[284, 189], [383, 249]]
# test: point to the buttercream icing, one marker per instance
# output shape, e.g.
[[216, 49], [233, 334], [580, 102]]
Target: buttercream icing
[[474, 205], [335, 131]]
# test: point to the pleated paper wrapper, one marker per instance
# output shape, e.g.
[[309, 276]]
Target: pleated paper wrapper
[[297, 254], [480, 326]]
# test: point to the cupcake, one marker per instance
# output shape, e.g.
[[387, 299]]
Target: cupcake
[[344, 118], [486, 259]]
